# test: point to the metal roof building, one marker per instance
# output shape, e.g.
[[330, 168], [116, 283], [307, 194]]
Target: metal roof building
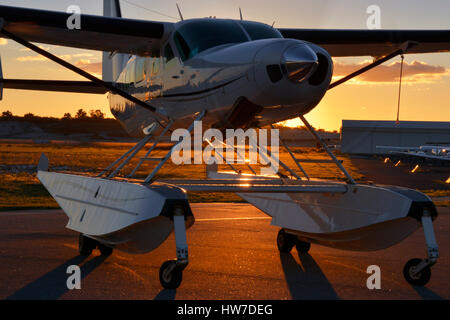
[[363, 137]]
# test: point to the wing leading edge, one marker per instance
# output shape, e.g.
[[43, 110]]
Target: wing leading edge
[[144, 37], [97, 33], [53, 85], [375, 43]]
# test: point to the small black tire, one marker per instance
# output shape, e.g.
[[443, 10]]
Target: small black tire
[[302, 246], [105, 250], [172, 279], [419, 279], [285, 241], [86, 245]]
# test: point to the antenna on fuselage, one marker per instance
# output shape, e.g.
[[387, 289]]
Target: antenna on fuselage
[[179, 12], [240, 13]]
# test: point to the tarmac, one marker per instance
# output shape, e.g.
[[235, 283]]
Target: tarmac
[[233, 255]]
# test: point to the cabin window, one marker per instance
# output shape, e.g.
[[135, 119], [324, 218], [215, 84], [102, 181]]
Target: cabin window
[[148, 67], [199, 35], [122, 76], [155, 66], [130, 76], [258, 31], [140, 70]]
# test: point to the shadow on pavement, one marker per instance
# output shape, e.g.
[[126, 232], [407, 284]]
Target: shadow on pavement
[[427, 294], [306, 281], [52, 285], [166, 294]]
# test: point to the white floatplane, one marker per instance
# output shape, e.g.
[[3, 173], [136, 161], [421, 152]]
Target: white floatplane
[[229, 74], [439, 155]]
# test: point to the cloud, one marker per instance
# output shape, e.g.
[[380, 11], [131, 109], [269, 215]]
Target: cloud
[[31, 58], [39, 57], [78, 55], [3, 41], [91, 67], [414, 72], [40, 46], [86, 64]]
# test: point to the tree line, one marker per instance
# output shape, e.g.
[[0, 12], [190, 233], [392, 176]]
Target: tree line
[[81, 114]]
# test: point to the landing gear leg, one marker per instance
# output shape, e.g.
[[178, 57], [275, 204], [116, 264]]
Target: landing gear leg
[[86, 245], [302, 246], [416, 271], [285, 241], [171, 272]]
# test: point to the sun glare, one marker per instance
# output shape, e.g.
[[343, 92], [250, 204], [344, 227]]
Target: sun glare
[[293, 123]]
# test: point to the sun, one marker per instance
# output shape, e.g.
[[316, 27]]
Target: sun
[[292, 123]]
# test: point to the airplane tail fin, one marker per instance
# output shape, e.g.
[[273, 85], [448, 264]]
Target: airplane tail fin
[[112, 63]]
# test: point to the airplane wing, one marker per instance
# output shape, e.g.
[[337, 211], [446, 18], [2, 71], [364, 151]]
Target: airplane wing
[[421, 155], [53, 85], [142, 37], [97, 33], [375, 43]]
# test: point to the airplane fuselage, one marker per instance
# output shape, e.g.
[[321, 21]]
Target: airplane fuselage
[[244, 74]]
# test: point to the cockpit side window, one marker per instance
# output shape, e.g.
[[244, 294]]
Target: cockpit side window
[[182, 46], [169, 57], [168, 54]]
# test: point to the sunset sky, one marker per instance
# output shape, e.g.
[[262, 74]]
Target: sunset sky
[[426, 86]]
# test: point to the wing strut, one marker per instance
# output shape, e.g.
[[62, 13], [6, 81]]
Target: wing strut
[[327, 150], [400, 51], [400, 90], [77, 70]]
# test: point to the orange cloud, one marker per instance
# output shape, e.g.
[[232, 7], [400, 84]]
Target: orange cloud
[[91, 67], [40, 46], [416, 71], [42, 58], [31, 58]]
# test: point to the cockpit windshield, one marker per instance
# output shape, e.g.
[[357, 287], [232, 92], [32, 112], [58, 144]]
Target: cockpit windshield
[[258, 31], [197, 36]]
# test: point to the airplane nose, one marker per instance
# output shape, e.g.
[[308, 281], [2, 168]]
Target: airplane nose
[[299, 62]]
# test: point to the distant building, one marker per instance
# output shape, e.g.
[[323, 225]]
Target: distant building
[[363, 137]]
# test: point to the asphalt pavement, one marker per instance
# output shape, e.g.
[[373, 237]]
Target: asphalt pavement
[[233, 255]]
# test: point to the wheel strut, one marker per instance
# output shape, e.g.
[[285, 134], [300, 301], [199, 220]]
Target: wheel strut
[[417, 271], [171, 271]]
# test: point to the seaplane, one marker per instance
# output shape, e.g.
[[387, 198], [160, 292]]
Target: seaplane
[[229, 74], [438, 155]]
